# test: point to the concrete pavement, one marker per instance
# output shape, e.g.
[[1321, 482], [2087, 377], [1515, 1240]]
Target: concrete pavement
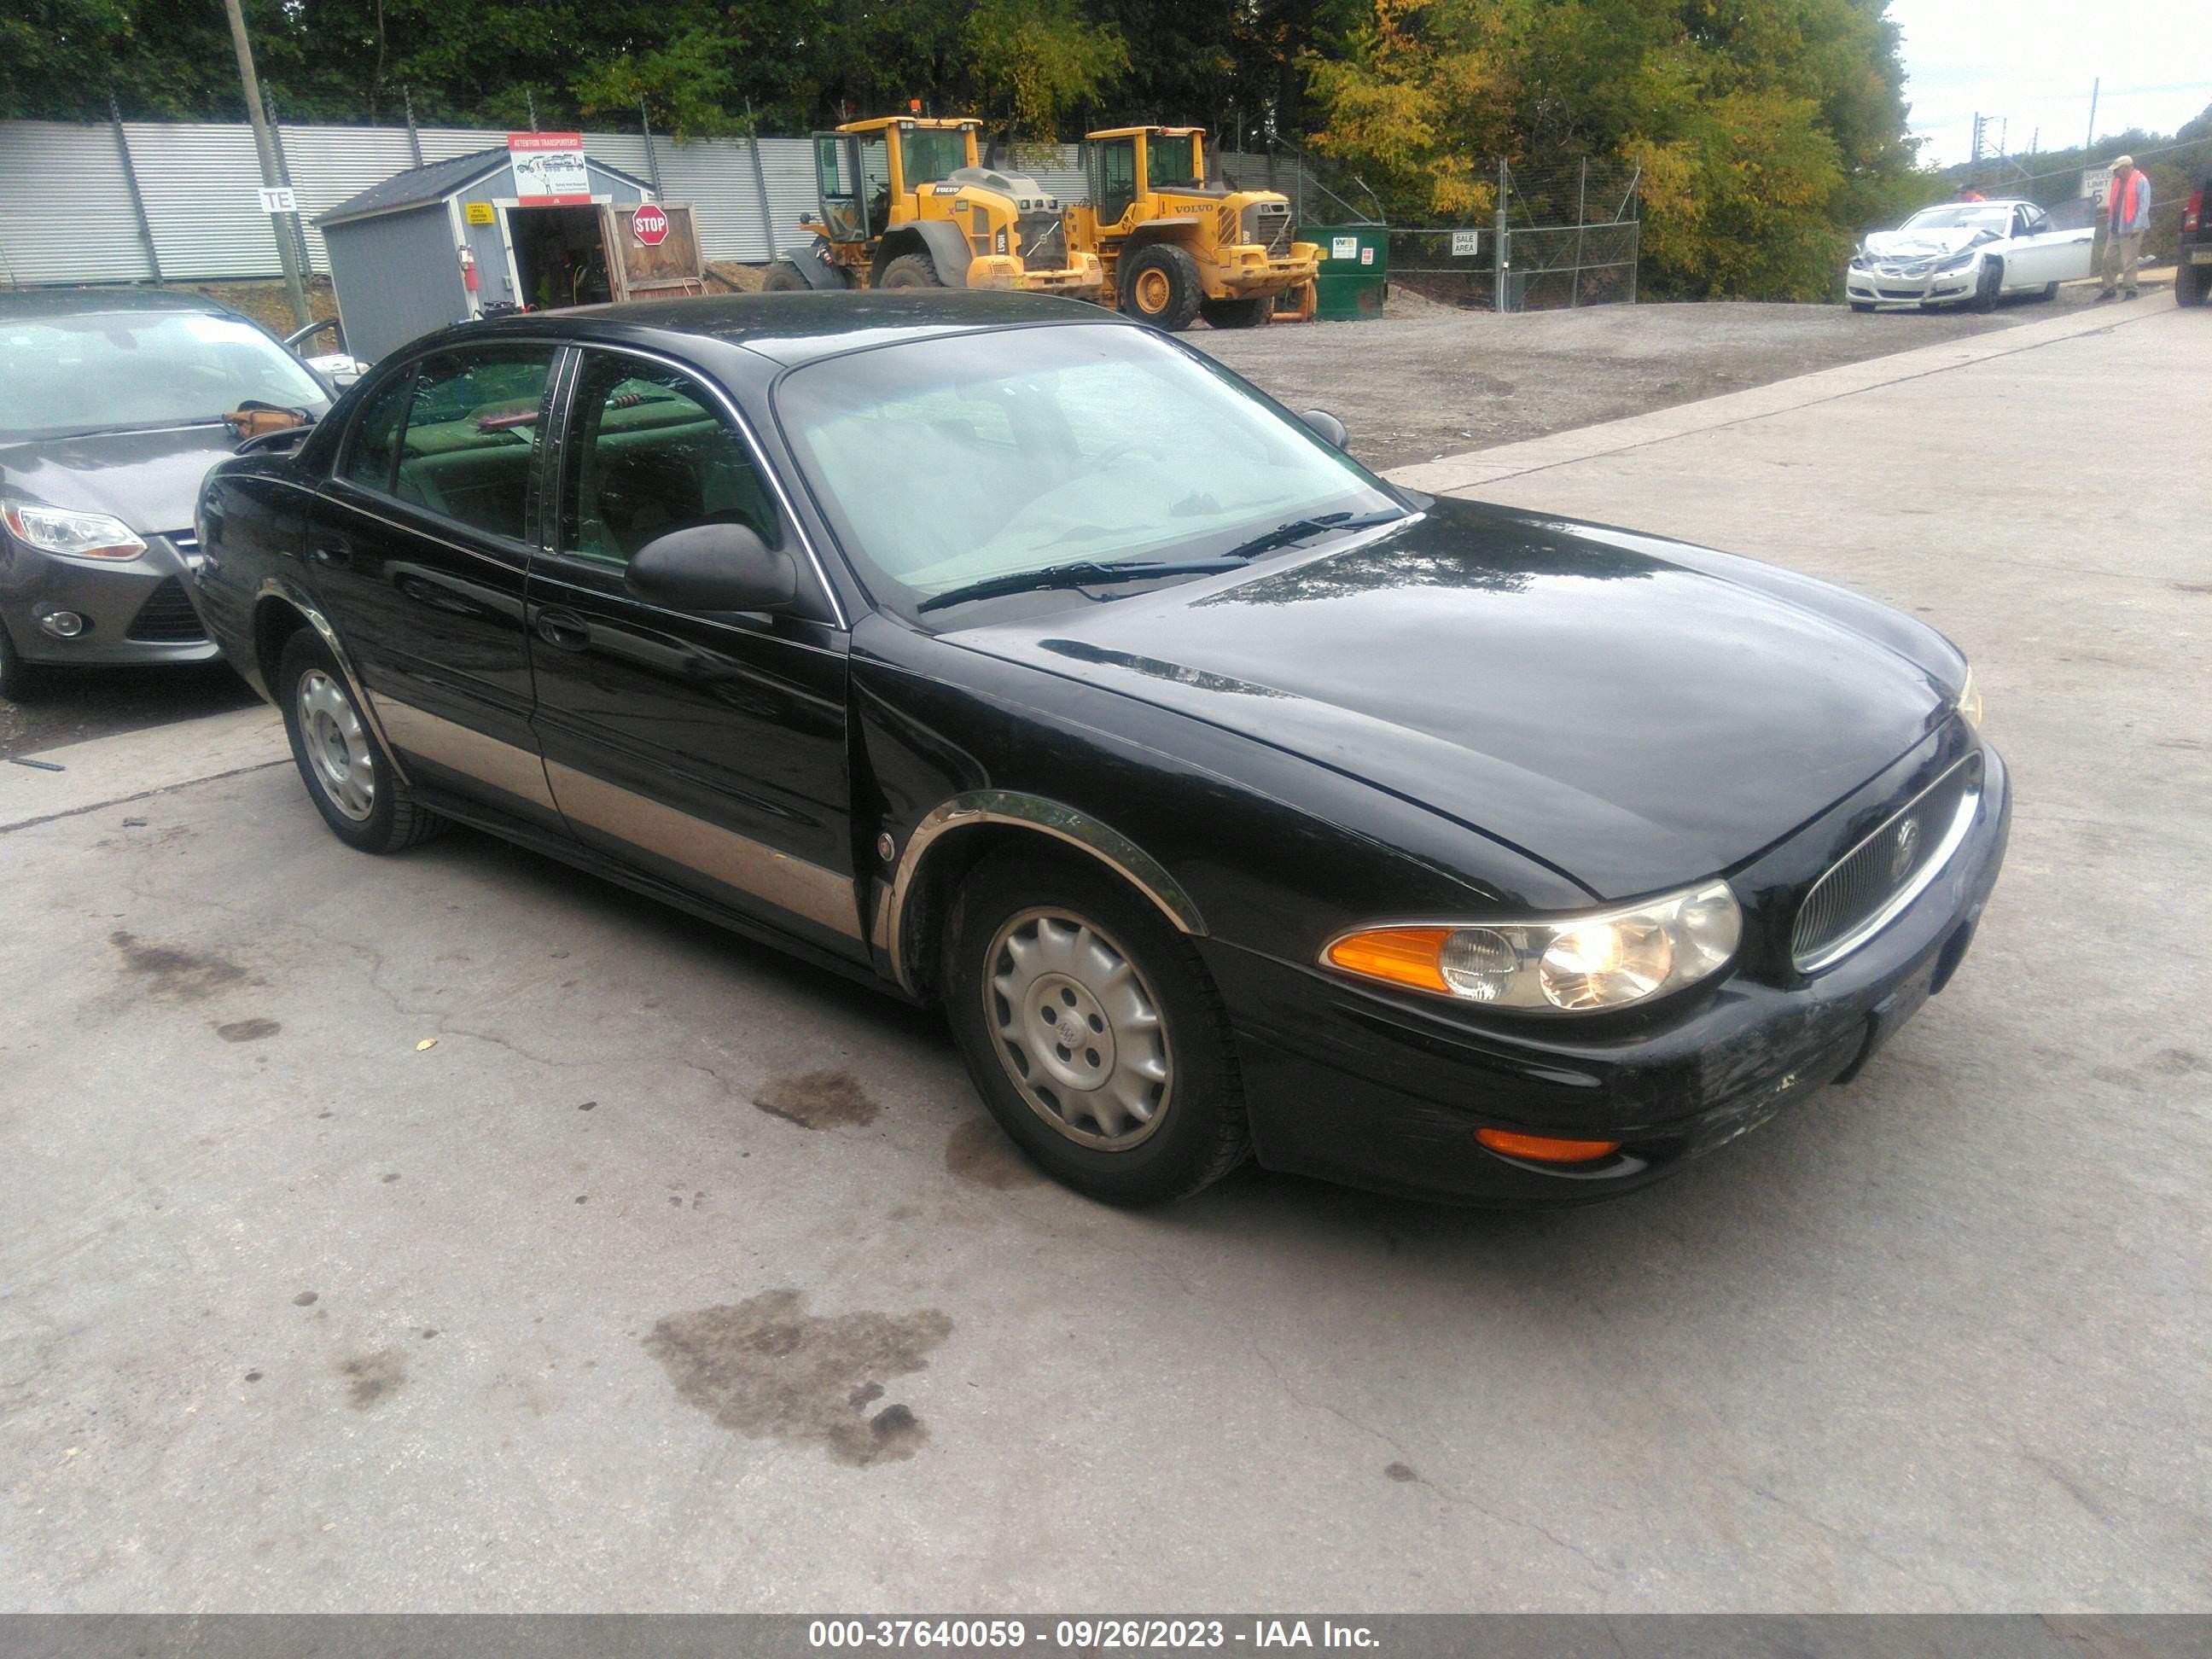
[[407, 1234]]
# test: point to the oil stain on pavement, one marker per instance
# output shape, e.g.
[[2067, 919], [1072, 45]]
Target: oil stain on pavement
[[817, 1100], [175, 975], [373, 1377], [248, 1030], [767, 1369], [979, 1152]]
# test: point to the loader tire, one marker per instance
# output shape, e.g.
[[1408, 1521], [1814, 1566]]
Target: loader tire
[[1160, 286], [783, 277], [911, 270]]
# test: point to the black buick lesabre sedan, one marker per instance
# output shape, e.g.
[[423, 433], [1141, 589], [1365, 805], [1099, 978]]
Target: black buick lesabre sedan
[[1025, 661]]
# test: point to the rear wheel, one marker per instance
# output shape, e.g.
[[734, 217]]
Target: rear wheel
[[1992, 281], [911, 270], [1092, 1032], [1160, 286], [349, 776], [2050, 292], [1235, 313], [783, 277], [2190, 282]]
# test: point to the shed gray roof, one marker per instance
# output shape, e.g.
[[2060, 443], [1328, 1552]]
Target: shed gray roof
[[420, 187]]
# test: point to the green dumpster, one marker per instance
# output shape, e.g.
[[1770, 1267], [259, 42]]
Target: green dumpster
[[1355, 269]]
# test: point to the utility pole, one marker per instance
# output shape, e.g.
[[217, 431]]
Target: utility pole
[[287, 255], [2096, 85]]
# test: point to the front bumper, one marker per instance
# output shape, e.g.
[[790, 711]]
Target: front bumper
[[1247, 272], [137, 610], [1083, 278], [1889, 287], [1386, 1091]]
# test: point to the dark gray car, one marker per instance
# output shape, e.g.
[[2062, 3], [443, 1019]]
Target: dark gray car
[[111, 407]]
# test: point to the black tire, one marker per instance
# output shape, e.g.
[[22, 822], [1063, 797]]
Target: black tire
[[2050, 292], [784, 278], [1159, 285], [1235, 313], [20, 681], [1991, 282], [910, 270], [2190, 282], [393, 819], [1861, 304], [1197, 1134]]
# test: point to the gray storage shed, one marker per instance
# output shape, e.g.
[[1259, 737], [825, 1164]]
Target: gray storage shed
[[401, 252]]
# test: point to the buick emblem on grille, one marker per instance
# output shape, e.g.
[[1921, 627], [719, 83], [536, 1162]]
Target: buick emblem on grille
[[1902, 848]]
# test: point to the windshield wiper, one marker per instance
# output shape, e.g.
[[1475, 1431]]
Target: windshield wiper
[[1081, 573], [1298, 529]]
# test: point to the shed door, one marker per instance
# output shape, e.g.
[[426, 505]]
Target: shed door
[[668, 268]]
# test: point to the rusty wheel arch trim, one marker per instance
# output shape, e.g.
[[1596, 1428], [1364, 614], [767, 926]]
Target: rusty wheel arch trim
[[1039, 816]]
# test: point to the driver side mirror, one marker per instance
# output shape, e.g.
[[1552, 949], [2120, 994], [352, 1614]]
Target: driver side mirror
[[1327, 425], [713, 567]]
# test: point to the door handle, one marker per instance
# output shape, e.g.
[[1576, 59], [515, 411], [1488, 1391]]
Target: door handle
[[564, 630], [332, 549]]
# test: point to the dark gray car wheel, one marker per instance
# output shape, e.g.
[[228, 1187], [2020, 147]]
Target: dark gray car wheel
[[349, 776], [1091, 1031], [18, 680], [1991, 283]]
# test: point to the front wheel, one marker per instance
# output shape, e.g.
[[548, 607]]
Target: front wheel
[[349, 776], [1160, 286], [18, 680], [2189, 283], [1235, 313], [1992, 281], [1092, 1032], [911, 270], [1861, 306]]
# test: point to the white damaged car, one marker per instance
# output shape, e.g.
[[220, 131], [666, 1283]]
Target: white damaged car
[[1967, 253]]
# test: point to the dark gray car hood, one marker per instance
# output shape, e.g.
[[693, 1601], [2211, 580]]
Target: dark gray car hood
[[149, 480]]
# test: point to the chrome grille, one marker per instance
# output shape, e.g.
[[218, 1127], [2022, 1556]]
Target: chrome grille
[[1864, 890], [167, 617], [1044, 241], [1268, 224]]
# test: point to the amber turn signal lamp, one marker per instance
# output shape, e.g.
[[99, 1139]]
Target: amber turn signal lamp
[[1543, 1149], [1404, 956]]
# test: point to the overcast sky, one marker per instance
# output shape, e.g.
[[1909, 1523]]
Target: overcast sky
[[2032, 61]]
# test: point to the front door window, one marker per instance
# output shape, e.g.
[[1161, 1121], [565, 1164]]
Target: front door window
[[1114, 186]]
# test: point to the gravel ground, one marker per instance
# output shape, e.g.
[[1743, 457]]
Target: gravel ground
[[1429, 380], [1424, 381]]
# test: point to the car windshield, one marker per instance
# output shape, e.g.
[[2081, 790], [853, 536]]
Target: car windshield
[[131, 370], [946, 463], [1961, 215]]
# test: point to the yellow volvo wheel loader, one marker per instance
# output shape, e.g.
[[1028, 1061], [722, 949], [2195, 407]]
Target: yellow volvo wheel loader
[[905, 204], [1174, 247]]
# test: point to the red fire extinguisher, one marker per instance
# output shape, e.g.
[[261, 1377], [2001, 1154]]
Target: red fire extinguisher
[[468, 270]]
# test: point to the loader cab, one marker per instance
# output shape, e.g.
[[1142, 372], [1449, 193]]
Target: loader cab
[[867, 174], [1129, 164]]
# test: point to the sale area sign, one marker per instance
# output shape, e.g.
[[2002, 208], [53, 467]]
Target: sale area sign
[[548, 167]]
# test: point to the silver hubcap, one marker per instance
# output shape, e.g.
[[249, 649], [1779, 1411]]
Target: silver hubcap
[[338, 751], [1078, 1029]]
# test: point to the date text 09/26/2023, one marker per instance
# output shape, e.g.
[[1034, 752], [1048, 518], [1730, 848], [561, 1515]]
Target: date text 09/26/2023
[[1090, 1635]]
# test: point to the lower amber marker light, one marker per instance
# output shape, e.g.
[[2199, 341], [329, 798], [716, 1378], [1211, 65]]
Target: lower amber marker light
[[1545, 1149]]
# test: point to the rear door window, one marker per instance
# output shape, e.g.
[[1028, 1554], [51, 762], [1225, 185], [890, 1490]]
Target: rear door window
[[650, 452], [470, 446]]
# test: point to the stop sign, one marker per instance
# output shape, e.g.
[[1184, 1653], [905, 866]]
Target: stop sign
[[649, 225]]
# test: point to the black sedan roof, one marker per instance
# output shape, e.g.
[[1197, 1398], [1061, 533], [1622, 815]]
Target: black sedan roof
[[83, 301], [794, 328]]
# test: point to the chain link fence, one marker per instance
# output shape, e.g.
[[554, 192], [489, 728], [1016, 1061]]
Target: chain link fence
[[1558, 236]]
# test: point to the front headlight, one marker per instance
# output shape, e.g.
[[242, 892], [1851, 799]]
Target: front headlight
[[1970, 701], [1575, 964], [1960, 261], [78, 535]]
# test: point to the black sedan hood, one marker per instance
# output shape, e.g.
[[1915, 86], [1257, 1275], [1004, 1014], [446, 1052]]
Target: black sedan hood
[[149, 480], [1636, 714]]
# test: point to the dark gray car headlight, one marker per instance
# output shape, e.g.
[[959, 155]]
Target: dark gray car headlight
[[73, 535], [1572, 964]]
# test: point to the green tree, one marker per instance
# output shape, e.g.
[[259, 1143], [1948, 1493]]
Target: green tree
[[1037, 62]]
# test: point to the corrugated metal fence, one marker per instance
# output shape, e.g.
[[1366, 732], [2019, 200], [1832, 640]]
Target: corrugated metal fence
[[68, 212]]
